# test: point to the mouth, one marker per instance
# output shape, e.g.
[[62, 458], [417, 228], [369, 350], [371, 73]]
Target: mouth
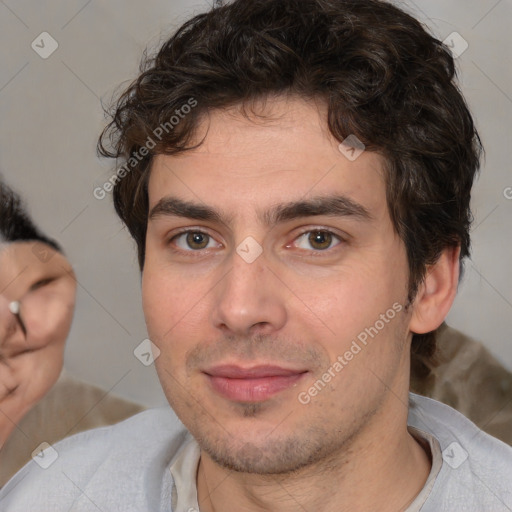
[[254, 384]]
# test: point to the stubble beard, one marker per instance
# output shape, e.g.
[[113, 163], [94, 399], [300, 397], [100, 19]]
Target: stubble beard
[[312, 449]]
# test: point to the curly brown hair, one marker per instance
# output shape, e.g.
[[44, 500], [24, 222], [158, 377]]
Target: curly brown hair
[[383, 77]]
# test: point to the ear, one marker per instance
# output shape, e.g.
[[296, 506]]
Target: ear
[[436, 293]]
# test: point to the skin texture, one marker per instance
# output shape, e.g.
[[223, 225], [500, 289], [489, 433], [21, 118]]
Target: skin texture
[[297, 306], [43, 281]]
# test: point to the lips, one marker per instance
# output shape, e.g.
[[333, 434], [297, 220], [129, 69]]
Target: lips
[[254, 384]]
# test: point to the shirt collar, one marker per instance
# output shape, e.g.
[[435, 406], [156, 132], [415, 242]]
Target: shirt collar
[[436, 457], [184, 475]]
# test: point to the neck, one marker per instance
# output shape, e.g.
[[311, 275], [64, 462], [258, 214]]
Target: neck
[[384, 460]]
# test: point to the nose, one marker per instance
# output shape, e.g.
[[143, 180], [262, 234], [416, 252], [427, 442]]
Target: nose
[[249, 299]]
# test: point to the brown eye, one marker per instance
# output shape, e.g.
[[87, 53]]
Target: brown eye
[[320, 239], [317, 240], [197, 240], [194, 241]]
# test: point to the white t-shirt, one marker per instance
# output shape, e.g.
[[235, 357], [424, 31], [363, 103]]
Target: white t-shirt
[[149, 463]]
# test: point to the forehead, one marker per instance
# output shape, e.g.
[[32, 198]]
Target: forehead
[[24, 252], [284, 153], [21, 263]]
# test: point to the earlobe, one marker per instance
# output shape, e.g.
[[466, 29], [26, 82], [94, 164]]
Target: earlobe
[[436, 293]]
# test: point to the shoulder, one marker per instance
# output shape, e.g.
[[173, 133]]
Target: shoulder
[[476, 467], [70, 407], [120, 467], [71, 397]]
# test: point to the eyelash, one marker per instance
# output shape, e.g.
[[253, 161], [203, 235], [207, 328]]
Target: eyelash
[[335, 236], [41, 283]]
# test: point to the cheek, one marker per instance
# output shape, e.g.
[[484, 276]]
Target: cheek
[[158, 299], [174, 314], [173, 294], [349, 307], [48, 319], [344, 300]]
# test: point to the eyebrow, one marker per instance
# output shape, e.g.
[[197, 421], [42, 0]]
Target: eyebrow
[[332, 206]]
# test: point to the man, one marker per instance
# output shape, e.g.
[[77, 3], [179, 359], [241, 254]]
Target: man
[[297, 177], [37, 301]]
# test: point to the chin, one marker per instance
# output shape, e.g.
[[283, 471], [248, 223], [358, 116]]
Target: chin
[[265, 454]]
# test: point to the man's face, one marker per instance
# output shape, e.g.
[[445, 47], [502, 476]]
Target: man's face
[[244, 336]]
